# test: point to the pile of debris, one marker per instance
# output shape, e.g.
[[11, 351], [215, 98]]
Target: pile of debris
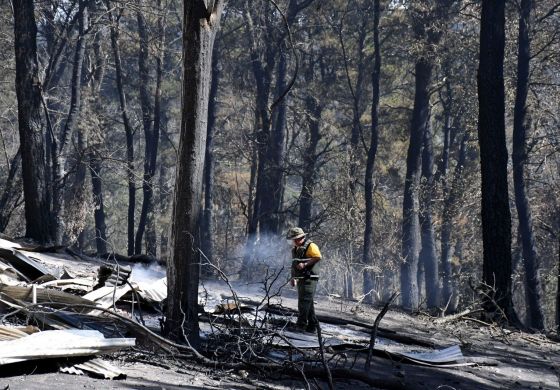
[[72, 308], [50, 312]]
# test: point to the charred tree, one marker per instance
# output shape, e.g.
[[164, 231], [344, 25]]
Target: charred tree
[[76, 200], [262, 65], [151, 121], [129, 133], [207, 239], [521, 124], [411, 224], [496, 216], [367, 258], [428, 257], [99, 207], [11, 193], [449, 214], [200, 24], [310, 161], [37, 196]]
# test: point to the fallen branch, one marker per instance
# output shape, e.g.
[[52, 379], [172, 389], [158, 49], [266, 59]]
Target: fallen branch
[[457, 316], [376, 325]]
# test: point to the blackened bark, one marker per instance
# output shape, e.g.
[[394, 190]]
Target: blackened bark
[[449, 214], [78, 189], [367, 257], [521, 123], [95, 80], [11, 192], [411, 225], [428, 256], [28, 90], [262, 65], [199, 31], [127, 128], [310, 157], [273, 163], [207, 228], [496, 216], [151, 132], [99, 208]]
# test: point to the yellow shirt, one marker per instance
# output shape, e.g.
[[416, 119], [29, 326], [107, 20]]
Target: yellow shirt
[[312, 251]]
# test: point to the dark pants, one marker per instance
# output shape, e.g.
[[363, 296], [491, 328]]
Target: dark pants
[[306, 309]]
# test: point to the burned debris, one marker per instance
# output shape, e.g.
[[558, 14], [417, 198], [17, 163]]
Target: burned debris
[[56, 305]]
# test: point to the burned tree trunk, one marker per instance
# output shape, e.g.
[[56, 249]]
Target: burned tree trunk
[[127, 129], [428, 257], [151, 124], [496, 216], [411, 225], [367, 258], [74, 218], [199, 30], [449, 213], [207, 239], [36, 192], [99, 208], [313, 110], [11, 192], [521, 123]]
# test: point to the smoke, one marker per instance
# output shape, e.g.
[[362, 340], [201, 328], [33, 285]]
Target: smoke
[[147, 273], [269, 255]]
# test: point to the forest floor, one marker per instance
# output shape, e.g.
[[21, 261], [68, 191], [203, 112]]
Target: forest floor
[[508, 359]]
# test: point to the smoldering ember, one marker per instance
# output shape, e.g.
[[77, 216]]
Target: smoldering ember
[[280, 194]]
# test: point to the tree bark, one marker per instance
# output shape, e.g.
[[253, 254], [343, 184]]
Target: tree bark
[[314, 110], [428, 256], [367, 257], [99, 208], [151, 124], [496, 216], [411, 225], [199, 29], [11, 192], [449, 213], [262, 66], [127, 128], [521, 124], [37, 195], [207, 228], [77, 197]]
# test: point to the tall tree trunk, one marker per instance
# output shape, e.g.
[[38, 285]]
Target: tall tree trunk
[[273, 183], [77, 199], [262, 65], [127, 128], [98, 65], [28, 90], [411, 225], [367, 258], [496, 216], [151, 130], [151, 232], [207, 238], [199, 30], [99, 207], [521, 123], [449, 213], [428, 256], [11, 192], [313, 110]]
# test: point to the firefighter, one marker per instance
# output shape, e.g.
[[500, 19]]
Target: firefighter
[[304, 273]]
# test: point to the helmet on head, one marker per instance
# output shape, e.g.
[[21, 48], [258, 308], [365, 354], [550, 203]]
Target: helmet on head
[[295, 233]]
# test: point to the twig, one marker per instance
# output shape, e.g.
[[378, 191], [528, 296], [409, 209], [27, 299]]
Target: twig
[[375, 325], [322, 352]]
